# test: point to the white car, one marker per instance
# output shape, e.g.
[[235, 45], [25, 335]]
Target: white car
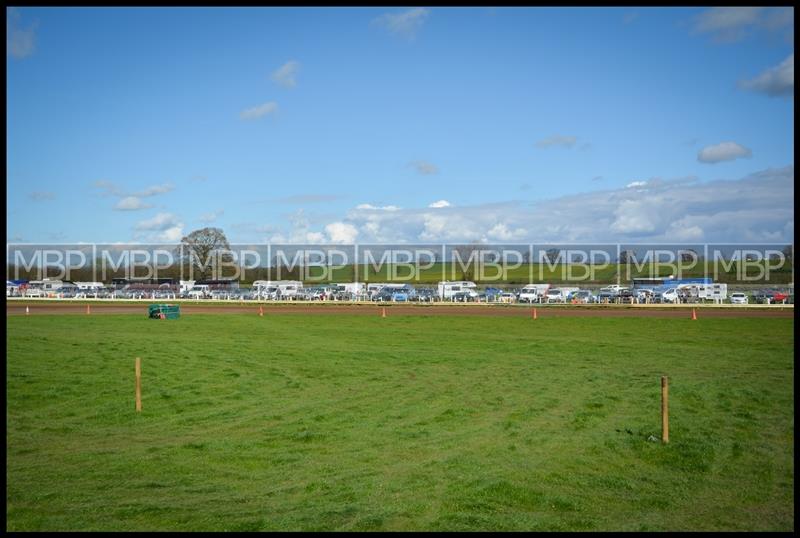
[[529, 294], [555, 295], [670, 295], [738, 298]]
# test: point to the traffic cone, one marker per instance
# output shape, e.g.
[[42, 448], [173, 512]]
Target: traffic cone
[[383, 315], [534, 315], [261, 311], [27, 311], [88, 310], [694, 314]]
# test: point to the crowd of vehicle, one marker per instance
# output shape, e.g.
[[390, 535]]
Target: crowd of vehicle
[[460, 291]]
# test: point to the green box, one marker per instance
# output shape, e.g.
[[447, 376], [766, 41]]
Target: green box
[[164, 311]]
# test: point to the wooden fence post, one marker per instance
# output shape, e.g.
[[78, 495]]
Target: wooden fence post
[[138, 384], [664, 409]]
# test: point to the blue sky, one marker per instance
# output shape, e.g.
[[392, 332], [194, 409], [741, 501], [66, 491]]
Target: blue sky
[[347, 124]]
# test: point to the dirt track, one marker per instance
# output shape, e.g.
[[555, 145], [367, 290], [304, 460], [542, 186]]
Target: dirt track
[[682, 311]]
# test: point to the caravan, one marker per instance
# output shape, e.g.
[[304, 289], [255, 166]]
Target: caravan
[[448, 290]]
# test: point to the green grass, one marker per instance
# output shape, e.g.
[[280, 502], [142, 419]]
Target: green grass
[[404, 423]]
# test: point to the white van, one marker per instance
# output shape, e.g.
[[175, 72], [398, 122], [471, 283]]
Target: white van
[[199, 291], [356, 288], [533, 293], [555, 295]]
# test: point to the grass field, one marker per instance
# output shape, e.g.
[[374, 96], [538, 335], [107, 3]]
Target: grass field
[[403, 423]]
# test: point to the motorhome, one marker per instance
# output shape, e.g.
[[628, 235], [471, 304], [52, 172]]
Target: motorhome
[[48, 285], [448, 289], [186, 285], [353, 289], [277, 289], [89, 286]]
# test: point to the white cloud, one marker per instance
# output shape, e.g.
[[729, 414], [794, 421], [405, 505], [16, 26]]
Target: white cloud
[[285, 74], [156, 189], [259, 111], [171, 235], [730, 24], [758, 207], [341, 232], [405, 24], [634, 184], [378, 208], [775, 81], [557, 140], [131, 203], [20, 42], [109, 188], [724, 151], [208, 218], [161, 222], [314, 238], [164, 227], [424, 168], [440, 203]]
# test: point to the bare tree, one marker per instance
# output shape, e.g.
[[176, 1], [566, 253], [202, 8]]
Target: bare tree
[[688, 255], [204, 249], [626, 256], [552, 254]]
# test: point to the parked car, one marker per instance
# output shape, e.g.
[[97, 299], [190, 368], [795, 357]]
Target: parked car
[[506, 297], [607, 294], [490, 295], [34, 292], [644, 295], [625, 295], [584, 296], [669, 296], [313, 294], [426, 295], [529, 294], [465, 296], [555, 295], [769, 296], [738, 298]]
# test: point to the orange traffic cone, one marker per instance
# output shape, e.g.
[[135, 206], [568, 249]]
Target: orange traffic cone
[[88, 310], [383, 315], [533, 314], [261, 311], [694, 314]]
